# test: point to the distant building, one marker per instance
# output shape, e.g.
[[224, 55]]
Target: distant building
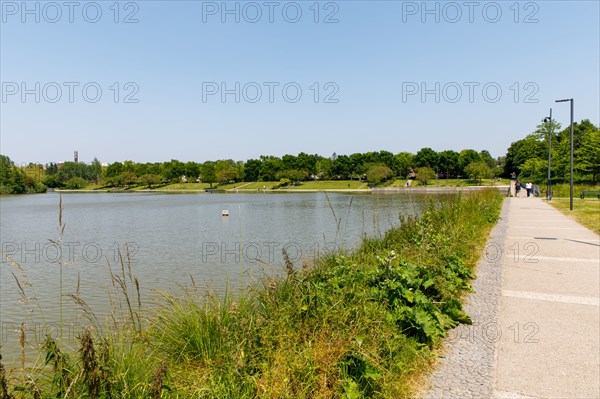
[[76, 156]]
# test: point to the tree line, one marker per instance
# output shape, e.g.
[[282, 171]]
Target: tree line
[[528, 157], [373, 167]]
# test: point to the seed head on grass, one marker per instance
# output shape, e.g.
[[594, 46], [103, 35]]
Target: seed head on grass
[[89, 363], [157, 381]]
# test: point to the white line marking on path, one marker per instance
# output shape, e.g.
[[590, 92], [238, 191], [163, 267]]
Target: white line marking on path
[[578, 300], [549, 227], [550, 239], [512, 395], [566, 259]]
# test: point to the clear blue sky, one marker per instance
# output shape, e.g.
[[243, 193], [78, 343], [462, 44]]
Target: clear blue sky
[[374, 58]]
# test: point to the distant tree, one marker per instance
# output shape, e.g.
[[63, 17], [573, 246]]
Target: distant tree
[[534, 169], [478, 170], [149, 180], [426, 157], [12, 179], [341, 167], [487, 158], [114, 169], [292, 175], [191, 170], [269, 168], [51, 168], [323, 168], [128, 178], [252, 169], [405, 162], [75, 169], [357, 164], [173, 170], [588, 155], [207, 173], [425, 174], [75, 183], [448, 163], [96, 170], [466, 157], [377, 173]]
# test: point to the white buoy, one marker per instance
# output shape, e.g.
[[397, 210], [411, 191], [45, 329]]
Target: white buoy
[[225, 212]]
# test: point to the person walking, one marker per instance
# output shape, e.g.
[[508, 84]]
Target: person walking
[[518, 187], [528, 187]]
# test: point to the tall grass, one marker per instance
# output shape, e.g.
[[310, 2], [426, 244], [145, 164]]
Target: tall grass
[[358, 324]]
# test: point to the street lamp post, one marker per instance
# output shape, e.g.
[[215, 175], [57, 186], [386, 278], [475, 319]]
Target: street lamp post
[[549, 190], [571, 167]]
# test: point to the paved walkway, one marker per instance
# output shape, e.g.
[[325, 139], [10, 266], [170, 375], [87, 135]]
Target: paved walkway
[[536, 313]]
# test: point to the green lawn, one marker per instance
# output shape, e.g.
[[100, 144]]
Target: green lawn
[[184, 186], [462, 183], [252, 186], [329, 185], [585, 211]]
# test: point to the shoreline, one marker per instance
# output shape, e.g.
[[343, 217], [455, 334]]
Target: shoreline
[[380, 190]]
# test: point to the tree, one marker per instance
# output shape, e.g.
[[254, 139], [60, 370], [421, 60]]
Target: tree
[[292, 175], [207, 173], [270, 166], [426, 157], [323, 168], [534, 169], [128, 178], [114, 169], [588, 155], [378, 172], [478, 170], [12, 179], [225, 170], [448, 163], [466, 157], [191, 170], [75, 183], [425, 174], [96, 170], [342, 167], [405, 163], [149, 180], [487, 158], [252, 169], [173, 170]]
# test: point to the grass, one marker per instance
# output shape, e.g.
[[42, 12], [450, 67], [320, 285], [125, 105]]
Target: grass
[[562, 190], [359, 324], [253, 186], [462, 183], [585, 211], [329, 185], [184, 186]]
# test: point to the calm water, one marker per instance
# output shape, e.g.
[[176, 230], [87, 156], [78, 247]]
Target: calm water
[[170, 238]]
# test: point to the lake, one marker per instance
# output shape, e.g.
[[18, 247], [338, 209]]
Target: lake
[[171, 238]]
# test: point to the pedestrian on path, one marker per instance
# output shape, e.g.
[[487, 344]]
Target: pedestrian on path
[[528, 187], [518, 187]]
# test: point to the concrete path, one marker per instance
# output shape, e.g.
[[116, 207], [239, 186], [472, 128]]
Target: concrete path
[[543, 325]]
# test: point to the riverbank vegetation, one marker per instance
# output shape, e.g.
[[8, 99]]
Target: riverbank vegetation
[[352, 324], [15, 180]]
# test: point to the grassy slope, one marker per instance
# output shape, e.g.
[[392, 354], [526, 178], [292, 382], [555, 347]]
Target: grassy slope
[[585, 211], [355, 325], [330, 185]]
